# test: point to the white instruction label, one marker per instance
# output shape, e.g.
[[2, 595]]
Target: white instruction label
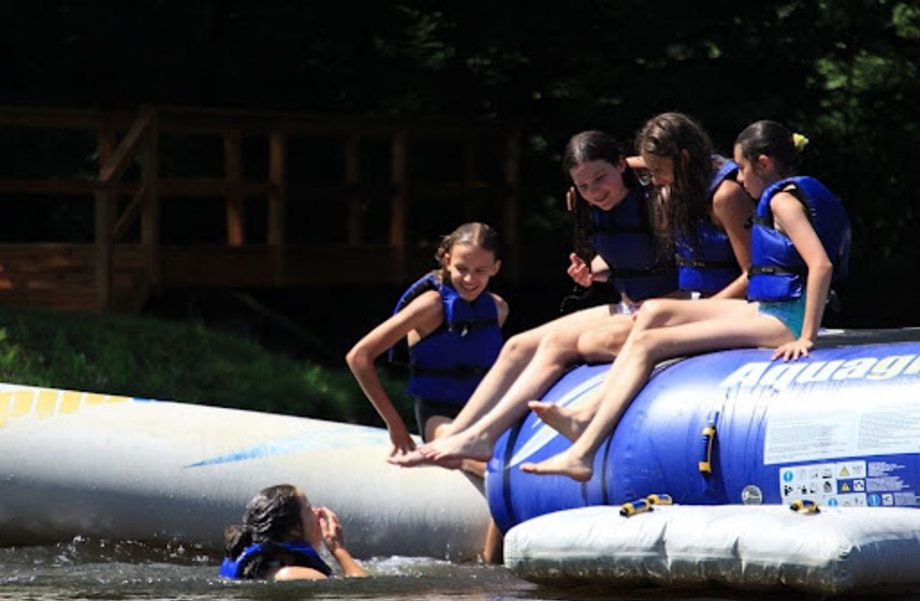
[[851, 424]]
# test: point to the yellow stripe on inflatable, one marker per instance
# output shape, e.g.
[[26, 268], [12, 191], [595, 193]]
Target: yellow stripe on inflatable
[[99, 399], [21, 402], [70, 402], [46, 405], [43, 403]]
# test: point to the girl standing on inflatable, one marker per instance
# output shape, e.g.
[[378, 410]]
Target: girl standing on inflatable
[[452, 325], [627, 219], [800, 242], [279, 537]]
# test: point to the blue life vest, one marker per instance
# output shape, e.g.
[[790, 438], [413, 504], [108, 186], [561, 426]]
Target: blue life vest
[[707, 263], [448, 364], [300, 553], [778, 272], [624, 238]]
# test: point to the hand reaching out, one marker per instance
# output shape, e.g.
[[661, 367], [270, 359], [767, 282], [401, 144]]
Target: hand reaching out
[[402, 441]]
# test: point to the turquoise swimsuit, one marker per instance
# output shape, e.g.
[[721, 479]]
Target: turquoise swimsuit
[[791, 313]]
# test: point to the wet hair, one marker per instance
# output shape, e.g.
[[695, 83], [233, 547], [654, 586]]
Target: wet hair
[[772, 139], [670, 135], [272, 516], [585, 147], [594, 145]]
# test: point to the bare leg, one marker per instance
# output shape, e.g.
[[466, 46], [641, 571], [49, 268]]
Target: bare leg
[[435, 428], [512, 360], [599, 345], [577, 461], [516, 377], [557, 350], [493, 548], [655, 313], [516, 355], [729, 325]]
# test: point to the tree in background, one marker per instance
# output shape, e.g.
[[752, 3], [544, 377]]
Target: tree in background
[[844, 72]]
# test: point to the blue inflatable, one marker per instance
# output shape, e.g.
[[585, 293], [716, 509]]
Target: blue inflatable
[[840, 428]]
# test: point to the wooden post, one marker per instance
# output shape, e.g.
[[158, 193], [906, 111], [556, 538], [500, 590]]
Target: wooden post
[[400, 180], [510, 227], [104, 220], [355, 233], [233, 172], [277, 199], [150, 214]]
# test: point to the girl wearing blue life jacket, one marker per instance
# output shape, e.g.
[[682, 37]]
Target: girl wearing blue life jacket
[[631, 222], [279, 537], [452, 325], [707, 210], [800, 240]]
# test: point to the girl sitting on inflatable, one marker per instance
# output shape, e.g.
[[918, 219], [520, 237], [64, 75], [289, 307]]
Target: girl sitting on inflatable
[[694, 191], [800, 242]]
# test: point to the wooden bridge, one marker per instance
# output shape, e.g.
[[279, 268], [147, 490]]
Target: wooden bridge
[[318, 208]]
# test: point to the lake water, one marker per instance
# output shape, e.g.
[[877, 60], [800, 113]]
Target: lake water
[[114, 571]]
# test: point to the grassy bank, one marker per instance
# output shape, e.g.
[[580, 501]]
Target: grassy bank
[[166, 360]]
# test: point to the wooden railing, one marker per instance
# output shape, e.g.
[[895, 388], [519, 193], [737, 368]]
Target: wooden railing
[[130, 254]]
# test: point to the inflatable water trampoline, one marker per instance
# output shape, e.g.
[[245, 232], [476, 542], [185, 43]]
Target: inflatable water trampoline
[[734, 440], [112, 467], [730, 438]]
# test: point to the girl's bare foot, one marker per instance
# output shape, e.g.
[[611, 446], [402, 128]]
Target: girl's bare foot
[[568, 422], [462, 445], [563, 464], [416, 458]]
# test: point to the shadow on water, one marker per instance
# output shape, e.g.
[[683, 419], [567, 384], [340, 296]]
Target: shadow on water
[[126, 571]]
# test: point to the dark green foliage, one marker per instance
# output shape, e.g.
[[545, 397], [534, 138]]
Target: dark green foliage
[[165, 360], [843, 72]]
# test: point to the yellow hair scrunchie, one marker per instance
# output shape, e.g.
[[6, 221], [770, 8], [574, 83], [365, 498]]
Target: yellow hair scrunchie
[[799, 141]]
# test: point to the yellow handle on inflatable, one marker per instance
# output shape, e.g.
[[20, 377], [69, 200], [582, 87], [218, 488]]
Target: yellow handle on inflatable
[[709, 435], [660, 499], [634, 507], [804, 506]]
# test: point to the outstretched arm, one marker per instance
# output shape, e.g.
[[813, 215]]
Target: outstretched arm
[[423, 314]]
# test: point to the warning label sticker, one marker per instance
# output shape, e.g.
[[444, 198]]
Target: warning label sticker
[[852, 483]]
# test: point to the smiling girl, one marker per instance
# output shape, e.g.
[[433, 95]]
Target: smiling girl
[[629, 222], [800, 240], [451, 323]]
